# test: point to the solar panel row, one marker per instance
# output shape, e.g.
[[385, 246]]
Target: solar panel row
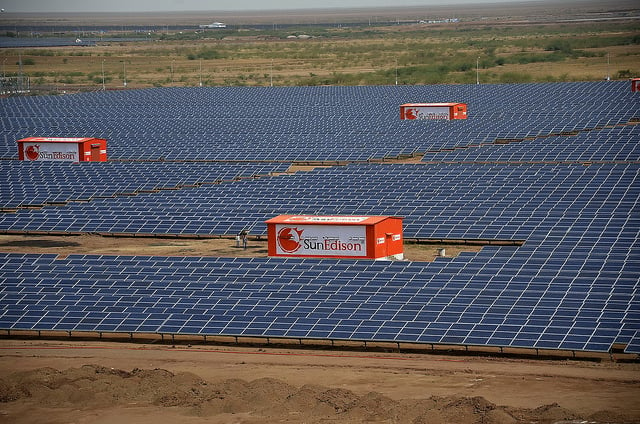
[[453, 201], [619, 144], [39, 183], [325, 299]]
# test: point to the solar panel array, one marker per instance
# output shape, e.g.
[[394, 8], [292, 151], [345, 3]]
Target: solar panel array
[[42, 183], [13, 42], [572, 199], [453, 201], [309, 123], [615, 144], [439, 302]]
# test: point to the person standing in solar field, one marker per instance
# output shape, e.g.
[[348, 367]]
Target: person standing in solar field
[[244, 235]]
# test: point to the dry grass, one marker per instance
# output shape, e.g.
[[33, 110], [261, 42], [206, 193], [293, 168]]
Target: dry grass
[[246, 59]]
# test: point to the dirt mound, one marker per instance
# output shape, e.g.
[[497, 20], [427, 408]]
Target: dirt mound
[[92, 387]]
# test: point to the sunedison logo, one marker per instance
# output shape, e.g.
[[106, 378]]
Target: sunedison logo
[[420, 114], [332, 245], [34, 153], [291, 239]]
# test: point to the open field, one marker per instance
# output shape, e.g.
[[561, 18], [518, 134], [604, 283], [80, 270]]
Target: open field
[[487, 45]]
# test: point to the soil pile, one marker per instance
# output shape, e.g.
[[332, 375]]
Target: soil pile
[[95, 388]]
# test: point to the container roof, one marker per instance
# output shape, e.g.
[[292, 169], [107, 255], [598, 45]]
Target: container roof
[[432, 104], [328, 219], [57, 139]]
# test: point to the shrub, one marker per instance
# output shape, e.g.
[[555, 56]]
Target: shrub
[[39, 52], [525, 58], [206, 54], [624, 73], [515, 77], [560, 46]]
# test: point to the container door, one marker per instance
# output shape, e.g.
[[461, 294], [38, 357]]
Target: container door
[[95, 152], [387, 244]]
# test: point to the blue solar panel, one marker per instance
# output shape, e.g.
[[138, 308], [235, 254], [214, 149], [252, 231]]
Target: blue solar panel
[[572, 285], [232, 310]]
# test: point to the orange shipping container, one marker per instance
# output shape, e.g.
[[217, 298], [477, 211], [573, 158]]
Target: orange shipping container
[[433, 111], [63, 149], [357, 237], [635, 84]]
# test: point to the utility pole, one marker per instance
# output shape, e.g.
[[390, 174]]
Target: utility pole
[[103, 88], [396, 71], [477, 70], [20, 73]]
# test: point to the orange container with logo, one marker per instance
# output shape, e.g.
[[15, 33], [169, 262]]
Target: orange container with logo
[[63, 149], [433, 111], [635, 85], [342, 236]]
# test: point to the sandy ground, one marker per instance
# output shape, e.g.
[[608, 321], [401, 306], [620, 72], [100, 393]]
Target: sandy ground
[[62, 380], [172, 246], [44, 381]]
